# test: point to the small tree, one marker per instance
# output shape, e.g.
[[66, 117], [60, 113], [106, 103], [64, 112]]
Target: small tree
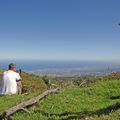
[[46, 79]]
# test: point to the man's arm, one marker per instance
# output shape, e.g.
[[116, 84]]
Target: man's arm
[[18, 78]]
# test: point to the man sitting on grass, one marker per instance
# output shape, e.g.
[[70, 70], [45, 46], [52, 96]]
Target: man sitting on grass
[[9, 81]]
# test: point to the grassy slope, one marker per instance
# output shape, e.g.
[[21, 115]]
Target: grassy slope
[[101, 100], [98, 100]]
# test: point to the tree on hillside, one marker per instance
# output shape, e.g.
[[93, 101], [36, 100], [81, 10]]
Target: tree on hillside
[[47, 81]]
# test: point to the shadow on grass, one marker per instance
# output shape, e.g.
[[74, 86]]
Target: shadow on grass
[[77, 115], [81, 115], [114, 97], [1, 117]]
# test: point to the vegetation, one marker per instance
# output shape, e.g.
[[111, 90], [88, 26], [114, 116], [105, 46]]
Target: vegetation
[[97, 99], [32, 83], [99, 102]]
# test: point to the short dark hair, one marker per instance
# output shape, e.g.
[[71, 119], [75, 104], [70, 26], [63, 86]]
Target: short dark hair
[[12, 65]]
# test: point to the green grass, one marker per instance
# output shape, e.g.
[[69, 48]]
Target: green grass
[[98, 102]]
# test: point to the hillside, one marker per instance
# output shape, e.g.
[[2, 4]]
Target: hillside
[[98, 101]]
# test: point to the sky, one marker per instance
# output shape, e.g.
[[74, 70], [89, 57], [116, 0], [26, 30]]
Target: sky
[[60, 30]]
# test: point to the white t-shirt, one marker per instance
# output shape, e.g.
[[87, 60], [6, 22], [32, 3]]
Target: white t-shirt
[[9, 85]]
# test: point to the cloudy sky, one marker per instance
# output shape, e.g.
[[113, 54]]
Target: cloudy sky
[[60, 30]]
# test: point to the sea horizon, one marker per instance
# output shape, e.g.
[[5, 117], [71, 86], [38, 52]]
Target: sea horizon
[[33, 65]]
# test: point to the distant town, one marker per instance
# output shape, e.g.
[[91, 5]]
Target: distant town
[[70, 72]]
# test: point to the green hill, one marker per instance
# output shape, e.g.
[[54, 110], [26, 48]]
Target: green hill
[[98, 101]]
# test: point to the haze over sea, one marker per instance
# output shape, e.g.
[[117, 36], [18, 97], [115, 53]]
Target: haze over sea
[[63, 68]]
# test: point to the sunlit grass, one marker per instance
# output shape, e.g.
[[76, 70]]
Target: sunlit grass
[[97, 99], [69, 102]]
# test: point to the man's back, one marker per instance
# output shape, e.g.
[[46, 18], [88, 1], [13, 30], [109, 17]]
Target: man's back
[[9, 82]]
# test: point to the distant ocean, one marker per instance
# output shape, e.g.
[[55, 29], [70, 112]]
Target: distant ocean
[[34, 65], [60, 67]]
